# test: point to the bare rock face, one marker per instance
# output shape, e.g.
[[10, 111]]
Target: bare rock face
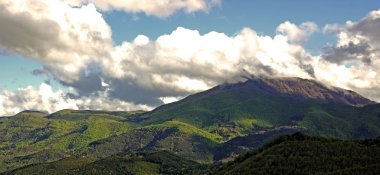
[[308, 89]]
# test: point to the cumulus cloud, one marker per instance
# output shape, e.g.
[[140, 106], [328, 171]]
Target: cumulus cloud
[[185, 62], [357, 41], [160, 8], [297, 34], [63, 38], [45, 99]]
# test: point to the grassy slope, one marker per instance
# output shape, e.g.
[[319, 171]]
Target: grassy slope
[[31, 133], [29, 138], [180, 138], [123, 163], [186, 129]]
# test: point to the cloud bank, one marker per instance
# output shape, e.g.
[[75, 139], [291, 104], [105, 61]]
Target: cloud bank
[[74, 44]]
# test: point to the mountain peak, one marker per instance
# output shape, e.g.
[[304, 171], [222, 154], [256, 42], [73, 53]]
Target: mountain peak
[[304, 89]]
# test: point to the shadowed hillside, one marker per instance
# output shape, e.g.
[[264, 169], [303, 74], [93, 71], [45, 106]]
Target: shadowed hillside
[[300, 154]]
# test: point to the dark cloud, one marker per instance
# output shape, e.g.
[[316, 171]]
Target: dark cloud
[[308, 69], [38, 72], [129, 91], [48, 82], [350, 52], [361, 41], [369, 27], [86, 85]]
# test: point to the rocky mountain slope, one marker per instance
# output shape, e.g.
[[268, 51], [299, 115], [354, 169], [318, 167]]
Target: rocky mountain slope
[[308, 89]]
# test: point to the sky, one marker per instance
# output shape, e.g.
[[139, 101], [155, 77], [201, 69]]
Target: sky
[[139, 54]]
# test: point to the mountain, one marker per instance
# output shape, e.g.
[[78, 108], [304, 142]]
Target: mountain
[[263, 104], [216, 125]]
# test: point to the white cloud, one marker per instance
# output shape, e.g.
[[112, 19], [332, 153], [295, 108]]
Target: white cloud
[[331, 29], [63, 38], [167, 100], [185, 62], [159, 8], [297, 34]]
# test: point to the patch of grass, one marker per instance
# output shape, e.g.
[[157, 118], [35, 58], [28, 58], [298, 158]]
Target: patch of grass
[[186, 129], [250, 123]]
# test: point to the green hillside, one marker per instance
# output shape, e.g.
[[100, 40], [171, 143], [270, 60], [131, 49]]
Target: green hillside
[[33, 137], [300, 154], [68, 132], [239, 110], [123, 163]]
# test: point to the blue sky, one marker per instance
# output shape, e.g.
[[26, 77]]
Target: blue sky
[[232, 15], [143, 73]]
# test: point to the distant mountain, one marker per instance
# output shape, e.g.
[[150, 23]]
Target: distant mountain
[[211, 126]]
